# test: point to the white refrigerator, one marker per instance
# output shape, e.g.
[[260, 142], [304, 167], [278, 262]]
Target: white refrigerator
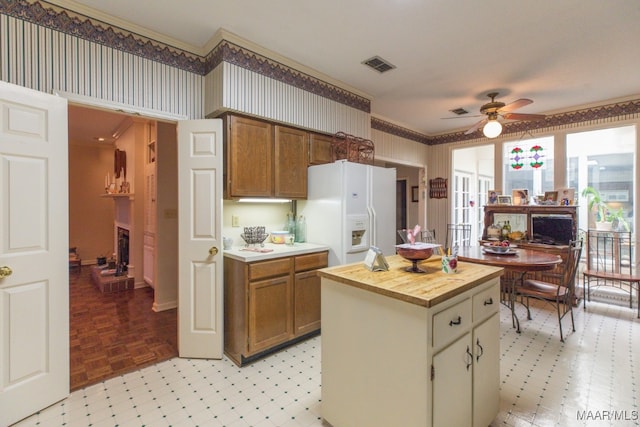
[[350, 207]]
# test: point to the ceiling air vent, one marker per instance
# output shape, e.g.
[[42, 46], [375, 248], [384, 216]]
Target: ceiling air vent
[[459, 111], [379, 64]]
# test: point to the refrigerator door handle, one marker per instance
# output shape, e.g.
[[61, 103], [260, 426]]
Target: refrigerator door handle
[[373, 241]]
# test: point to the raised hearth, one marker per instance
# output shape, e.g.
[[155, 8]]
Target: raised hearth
[[107, 283]]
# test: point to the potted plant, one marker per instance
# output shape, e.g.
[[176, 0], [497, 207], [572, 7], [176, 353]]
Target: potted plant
[[606, 219]]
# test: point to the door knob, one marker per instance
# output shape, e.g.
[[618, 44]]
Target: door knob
[[213, 251], [5, 271]]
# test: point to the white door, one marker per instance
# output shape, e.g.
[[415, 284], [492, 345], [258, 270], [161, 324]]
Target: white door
[[200, 263], [34, 279]]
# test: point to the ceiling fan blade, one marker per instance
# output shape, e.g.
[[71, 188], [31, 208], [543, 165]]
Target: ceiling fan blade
[[462, 117], [475, 127], [519, 103], [520, 116]]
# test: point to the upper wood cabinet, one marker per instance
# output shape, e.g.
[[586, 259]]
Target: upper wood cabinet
[[320, 149], [249, 157], [265, 160], [290, 162]]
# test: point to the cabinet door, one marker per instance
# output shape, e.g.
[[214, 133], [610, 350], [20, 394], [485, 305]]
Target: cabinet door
[[452, 369], [306, 303], [249, 157], [320, 149], [290, 164], [486, 371], [269, 313]]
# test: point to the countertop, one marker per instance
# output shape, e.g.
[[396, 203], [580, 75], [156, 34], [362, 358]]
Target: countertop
[[278, 250], [425, 289]]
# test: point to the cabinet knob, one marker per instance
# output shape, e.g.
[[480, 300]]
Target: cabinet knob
[[5, 271], [213, 251]]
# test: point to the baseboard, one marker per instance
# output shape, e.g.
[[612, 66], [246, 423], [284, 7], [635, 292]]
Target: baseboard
[[164, 306]]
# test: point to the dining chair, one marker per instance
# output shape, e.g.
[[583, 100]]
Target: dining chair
[[559, 291], [428, 236], [458, 235], [609, 263]]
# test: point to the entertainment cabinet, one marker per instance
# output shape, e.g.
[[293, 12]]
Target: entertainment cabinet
[[524, 214], [521, 217]]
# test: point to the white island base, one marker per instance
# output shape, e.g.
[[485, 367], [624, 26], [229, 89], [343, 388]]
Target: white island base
[[387, 361]]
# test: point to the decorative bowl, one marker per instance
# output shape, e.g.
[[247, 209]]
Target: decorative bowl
[[255, 239], [279, 236], [516, 235], [417, 252], [498, 247]]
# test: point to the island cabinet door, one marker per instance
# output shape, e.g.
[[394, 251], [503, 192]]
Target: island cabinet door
[[452, 384], [486, 371], [269, 313]]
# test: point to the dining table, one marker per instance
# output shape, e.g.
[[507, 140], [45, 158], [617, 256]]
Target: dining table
[[519, 260]]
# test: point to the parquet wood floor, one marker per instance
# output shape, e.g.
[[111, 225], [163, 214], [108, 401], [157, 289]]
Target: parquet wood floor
[[115, 333]]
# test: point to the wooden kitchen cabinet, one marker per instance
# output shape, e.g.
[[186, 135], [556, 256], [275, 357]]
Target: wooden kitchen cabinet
[[269, 324], [320, 149], [265, 160], [249, 157], [291, 154], [270, 304]]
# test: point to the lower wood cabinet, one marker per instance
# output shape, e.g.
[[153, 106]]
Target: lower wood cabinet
[[269, 304]]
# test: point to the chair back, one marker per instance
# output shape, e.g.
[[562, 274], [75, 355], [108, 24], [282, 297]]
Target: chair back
[[458, 235], [428, 236], [609, 251], [571, 264]]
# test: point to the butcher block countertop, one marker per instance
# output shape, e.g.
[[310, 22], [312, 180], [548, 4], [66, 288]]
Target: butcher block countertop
[[424, 289]]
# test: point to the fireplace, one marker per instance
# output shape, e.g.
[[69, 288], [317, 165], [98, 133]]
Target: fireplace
[[122, 254]]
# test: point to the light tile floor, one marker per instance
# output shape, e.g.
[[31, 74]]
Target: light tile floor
[[593, 379]]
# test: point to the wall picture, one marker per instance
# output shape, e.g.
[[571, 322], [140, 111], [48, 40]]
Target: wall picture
[[492, 197]]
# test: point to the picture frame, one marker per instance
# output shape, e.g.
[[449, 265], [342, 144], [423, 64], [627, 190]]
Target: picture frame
[[414, 193], [520, 196], [550, 196], [566, 196], [492, 197], [504, 200]]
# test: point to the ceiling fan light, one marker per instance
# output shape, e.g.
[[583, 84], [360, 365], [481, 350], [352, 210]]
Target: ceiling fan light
[[492, 129]]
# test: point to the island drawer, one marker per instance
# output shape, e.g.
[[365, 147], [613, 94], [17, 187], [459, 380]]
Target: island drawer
[[451, 322], [271, 268], [311, 261], [486, 302]]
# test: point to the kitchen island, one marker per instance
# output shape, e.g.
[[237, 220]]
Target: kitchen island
[[410, 349]]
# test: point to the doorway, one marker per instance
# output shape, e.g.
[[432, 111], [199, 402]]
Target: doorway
[[117, 332], [473, 178], [401, 207]]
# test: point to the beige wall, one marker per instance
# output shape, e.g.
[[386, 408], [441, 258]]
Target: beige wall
[[166, 278], [90, 216]]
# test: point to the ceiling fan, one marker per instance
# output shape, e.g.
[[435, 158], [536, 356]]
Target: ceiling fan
[[492, 127]]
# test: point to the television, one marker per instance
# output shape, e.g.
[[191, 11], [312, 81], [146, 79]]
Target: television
[[552, 229]]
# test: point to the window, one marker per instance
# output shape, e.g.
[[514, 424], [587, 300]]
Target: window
[[528, 164], [603, 159]]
